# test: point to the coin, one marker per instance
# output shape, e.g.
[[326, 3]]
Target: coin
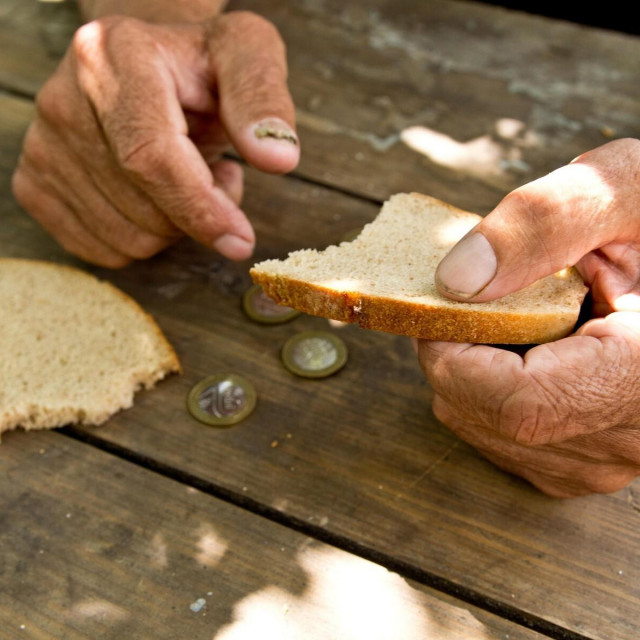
[[222, 400], [314, 354], [261, 308]]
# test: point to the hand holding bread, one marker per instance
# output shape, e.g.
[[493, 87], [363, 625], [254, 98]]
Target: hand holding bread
[[566, 415], [385, 280]]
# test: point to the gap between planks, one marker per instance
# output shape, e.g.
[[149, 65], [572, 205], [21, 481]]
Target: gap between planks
[[317, 532], [295, 174]]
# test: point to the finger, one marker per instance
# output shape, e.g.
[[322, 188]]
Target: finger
[[229, 176], [623, 325], [578, 385], [69, 179], [60, 221], [547, 225], [65, 124], [475, 379], [597, 463], [186, 192], [256, 107], [559, 475], [613, 274], [147, 132]]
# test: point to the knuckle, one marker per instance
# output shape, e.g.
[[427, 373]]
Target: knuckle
[[92, 38], [140, 157], [87, 40], [51, 104], [28, 193], [608, 482], [23, 189], [626, 146], [441, 410], [247, 23], [35, 150]]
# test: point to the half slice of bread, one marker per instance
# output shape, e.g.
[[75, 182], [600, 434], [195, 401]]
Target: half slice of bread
[[384, 280], [73, 349]]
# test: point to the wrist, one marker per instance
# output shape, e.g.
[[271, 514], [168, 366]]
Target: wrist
[[153, 10]]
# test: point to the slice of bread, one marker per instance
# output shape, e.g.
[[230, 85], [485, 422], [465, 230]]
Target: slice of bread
[[73, 349], [384, 280]]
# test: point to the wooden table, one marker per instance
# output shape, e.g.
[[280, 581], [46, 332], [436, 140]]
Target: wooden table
[[340, 509]]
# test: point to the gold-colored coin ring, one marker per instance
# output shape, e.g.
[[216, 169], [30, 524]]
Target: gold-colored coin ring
[[271, 313], [207, 393], [312, 339]]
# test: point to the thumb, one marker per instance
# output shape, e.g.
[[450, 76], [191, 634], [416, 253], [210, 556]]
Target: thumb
[[625, 324], [543, 227], [249, 60]]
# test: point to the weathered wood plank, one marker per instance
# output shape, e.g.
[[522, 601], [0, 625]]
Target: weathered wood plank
[[493, 98], [358, 455], [34, 36], [95, 547], [497, 97]]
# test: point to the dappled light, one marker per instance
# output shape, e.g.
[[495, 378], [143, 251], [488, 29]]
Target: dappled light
[[509, 128], [486, 156], [627, 302], [344, 284], [450, 233], [158, 551], [211, 547], [347, 597], [99, 610], [480, 156]]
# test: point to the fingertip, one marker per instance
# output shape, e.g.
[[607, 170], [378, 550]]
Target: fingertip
[[234, 247], [270, 145], [467, 269], [626, 322]]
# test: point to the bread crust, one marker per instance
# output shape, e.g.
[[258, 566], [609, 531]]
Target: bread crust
[[527, 317], [428, 322], [36, 280]]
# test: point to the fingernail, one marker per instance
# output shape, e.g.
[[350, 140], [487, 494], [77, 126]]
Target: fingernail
[[275, 129], [468, 268], [233, 247]]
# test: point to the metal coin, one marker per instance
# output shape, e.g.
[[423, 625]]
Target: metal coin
[[222, 400], [314, 354], [261, 308]]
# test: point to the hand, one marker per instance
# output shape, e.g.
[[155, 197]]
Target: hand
[[123, 156], [566, 415]]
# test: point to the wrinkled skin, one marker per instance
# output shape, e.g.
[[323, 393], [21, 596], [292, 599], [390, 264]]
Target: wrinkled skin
[[565, 415], [123, 156]]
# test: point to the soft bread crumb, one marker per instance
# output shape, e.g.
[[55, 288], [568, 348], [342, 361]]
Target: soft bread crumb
[[384, 280], [73, 349]]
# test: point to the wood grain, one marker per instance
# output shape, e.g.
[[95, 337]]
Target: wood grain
[[95, 547], [500, 96], [359, 456]]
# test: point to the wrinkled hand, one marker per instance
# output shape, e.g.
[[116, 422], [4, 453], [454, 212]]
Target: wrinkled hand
[[123, 156], [566, 415]]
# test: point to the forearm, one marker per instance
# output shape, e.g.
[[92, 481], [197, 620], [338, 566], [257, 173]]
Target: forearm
[[153, 10]]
